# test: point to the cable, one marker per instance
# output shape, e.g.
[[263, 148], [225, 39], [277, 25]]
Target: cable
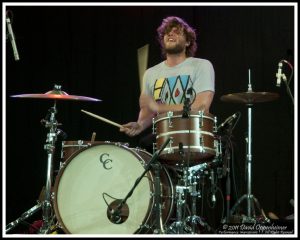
[[106, 201], [194, 94], [233, 170]]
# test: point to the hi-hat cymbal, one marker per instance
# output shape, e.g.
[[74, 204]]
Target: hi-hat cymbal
[[250, 97], [56, 95]]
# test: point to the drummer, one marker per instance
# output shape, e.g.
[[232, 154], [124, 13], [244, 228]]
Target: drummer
[[165, 85]]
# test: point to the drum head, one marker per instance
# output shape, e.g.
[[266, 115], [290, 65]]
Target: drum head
[[93, 179]]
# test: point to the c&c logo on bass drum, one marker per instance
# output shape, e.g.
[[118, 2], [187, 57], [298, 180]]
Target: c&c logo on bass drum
[[105, 160]]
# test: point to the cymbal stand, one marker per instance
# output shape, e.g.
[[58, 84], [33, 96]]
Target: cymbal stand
[[46, 206], [249, 196], [50, 148]]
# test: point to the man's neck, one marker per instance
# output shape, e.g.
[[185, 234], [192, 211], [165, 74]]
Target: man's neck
[[175, 59]]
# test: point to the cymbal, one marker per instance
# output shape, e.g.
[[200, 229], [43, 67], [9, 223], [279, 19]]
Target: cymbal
[[56, 95], [250, 97]]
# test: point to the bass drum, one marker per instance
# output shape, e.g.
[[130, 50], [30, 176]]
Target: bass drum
[[94, 181]]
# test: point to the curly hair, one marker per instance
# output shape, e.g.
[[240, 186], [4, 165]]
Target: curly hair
[[166, 26]]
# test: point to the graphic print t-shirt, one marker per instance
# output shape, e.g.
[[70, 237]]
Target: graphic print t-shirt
[[168, 85]]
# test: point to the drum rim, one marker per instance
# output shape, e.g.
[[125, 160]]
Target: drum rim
[[178, 114]]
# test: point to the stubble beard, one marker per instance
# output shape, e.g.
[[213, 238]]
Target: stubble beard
[[178, 48]]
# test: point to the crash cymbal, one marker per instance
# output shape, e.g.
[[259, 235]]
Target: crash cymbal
[[56, 95], [250, 97]]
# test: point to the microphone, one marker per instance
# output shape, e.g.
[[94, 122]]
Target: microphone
[[186, 104], [116, 210], [12, 39], [189, 91], [116, 215], [228, 121], [279, 74]]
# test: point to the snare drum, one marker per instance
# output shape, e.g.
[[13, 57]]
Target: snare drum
[[192, 139], [97, 178]]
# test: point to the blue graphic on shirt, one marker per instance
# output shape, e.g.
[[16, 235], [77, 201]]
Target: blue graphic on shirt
[[171, 90]]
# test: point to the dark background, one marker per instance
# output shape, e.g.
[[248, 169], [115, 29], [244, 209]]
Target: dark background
[[92, 51]]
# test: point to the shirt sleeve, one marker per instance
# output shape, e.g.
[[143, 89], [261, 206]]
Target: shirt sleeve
[[204, 77], [146, 84]]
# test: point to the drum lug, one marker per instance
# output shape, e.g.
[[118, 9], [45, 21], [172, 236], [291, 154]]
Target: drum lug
[[201, 114], [218, 146], [62, 165], [215, 125], [153, 126], [52, 195], [119, 144], [201, 141], [154, 147], [170, 149], [170, 115]]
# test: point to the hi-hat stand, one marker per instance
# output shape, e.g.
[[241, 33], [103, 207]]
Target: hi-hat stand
[[47, 211]]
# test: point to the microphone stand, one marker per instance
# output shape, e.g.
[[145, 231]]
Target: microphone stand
[[186, 108], [152, 162]]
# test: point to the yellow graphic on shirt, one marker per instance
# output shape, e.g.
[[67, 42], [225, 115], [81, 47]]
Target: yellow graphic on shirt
[[157, 88]]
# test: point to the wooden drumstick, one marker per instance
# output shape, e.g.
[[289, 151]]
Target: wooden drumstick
[[103, 119], [142, 54]]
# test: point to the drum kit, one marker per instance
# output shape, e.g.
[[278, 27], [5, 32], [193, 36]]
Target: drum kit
[[105, 187]]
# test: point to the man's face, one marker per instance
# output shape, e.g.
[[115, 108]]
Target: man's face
[[175, 41]]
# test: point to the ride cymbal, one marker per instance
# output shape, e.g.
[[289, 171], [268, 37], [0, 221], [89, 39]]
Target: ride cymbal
[[250, 97]]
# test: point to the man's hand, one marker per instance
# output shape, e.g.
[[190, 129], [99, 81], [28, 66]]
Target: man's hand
[[132, 128]]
